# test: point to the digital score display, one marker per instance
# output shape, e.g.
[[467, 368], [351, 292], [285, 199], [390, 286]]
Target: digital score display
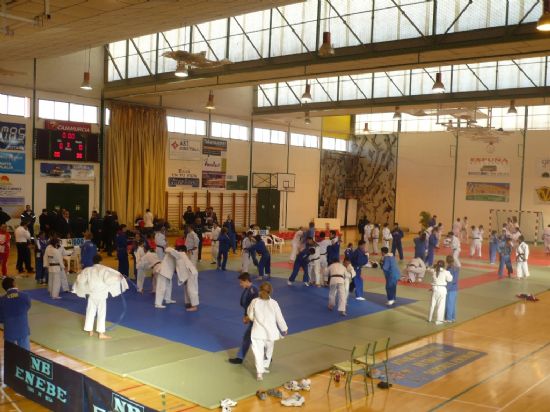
[[68, 146]]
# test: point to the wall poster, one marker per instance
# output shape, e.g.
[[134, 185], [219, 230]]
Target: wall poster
[[488, 192], [488, 166]]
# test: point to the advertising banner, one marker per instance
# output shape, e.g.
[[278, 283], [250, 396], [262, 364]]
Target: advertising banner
[[213, 180], [543, 168], [99, 398], [488, 166], [488, 192], [236, 182], [543, 194], [185, 148], [67, 171], [214, 147], [12, 163], [68, 126], [214, 163], [185, 176], [12, 136]]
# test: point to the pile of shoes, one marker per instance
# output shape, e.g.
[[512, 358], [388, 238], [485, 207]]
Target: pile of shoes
[[227, 405], [530, 297], [296, 399]]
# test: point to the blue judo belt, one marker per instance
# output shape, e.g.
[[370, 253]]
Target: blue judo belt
[[124, 309]]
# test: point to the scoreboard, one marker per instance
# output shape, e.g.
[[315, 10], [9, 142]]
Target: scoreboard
[[66, 145]]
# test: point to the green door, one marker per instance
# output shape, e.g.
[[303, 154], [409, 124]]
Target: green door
[[72, 197], [269, 201]]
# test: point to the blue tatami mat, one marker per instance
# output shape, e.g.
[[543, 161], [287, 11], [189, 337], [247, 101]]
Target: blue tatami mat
[[218, 323]]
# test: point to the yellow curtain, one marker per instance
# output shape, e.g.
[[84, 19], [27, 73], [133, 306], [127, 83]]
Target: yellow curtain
[[136, 161]]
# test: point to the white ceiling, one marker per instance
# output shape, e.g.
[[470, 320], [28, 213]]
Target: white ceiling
[[79, 24]]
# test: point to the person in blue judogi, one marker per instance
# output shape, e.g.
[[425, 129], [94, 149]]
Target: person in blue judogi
[[348, 251], [230, 225], [302, 261], [14, 306], [432, 244], [420, 246], [359, 258], [452, 290], [121, 243], [505, 248], [224, 244], [391, 273], [264, 264], [333, 250], [396, 244], [311, 231], [87, 251], [493, 247]]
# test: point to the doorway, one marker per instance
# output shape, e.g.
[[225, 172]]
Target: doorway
[[74, 198], [268, 208]]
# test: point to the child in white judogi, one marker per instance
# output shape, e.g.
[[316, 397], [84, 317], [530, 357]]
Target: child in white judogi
[[192, 244], [415, 270], [439, 292], [314, 265], [375, 238], [160, 241], [350, 274], [323, 264], [215, 234], [386, 236], [246, 257], [336, 275], [522, 255], [188, 276], [163, 291], [475, 242], [146, 261], [53, 261], [453, 242], [297, 242], [98, 282], [367, 233]]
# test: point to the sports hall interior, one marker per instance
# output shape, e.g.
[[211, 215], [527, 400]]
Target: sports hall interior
[[329, 111]]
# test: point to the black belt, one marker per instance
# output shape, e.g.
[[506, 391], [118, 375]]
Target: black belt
[[311, 260], [190, 250], [157, 263], [54, 264], [215, 240], [336, 276]]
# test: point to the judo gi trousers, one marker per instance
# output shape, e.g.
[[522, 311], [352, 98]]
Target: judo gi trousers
[[294, 252], [263, 351], [430, 257], [314, 268], [493, 253], [23, 342], [522, 270], [450, 305], [58, 282], [193, 256], [214, 249], [475, 247], [323, 264], [399, 247], [391, 289], [140, 279], [357, 283], [245, 345], [123, 264], [246, 261], [295, 271], [439, 296], [456, 257], [191, 290], [505, 261], [375, 245], [337, 290], [163, 291], [264, 266], [96, 306], [222, 259]]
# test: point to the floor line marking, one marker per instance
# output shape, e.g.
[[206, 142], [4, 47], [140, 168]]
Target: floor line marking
[[11, 400], [524, 392], [490, 377]]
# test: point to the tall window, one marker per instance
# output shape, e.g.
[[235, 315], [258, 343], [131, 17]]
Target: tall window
[[55, 110], [269, 136], [338, 145], [14, 105], [229, 131], [304, 140], [186, 126]]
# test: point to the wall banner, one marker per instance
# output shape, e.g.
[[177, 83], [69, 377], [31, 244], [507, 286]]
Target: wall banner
[[99, 398], [543, 168], [236, 182], [67, 171], [488, 166], [185, 148], [12, 136], [68, 126], [488, 192], [185, 176], [214, 147], [543, 194], [213, 180], [12, 163], [214, 163]]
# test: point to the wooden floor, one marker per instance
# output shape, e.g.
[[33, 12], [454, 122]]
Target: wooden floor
[[513, 376]]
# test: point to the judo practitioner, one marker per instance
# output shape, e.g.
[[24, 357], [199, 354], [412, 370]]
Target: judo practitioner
[[505, 248], [396, 244], [87, 251], [336, 275], [333, 250], [53, 261], [475, 241], [386, 236], [359, 258], [441, 277], [323, 262], [310, 231], [250, 292], [522, 255], [301, 262], [432, 245], [493, 247], [192, 244], [121, 243], [264, 263], [147, 260], [268, 325], [415, 270], [14, 306], [452, 291], [314, 266], [248, 257], [230, 225], [457, 227], [163, 290], [464, 230], [214, 248], [296, 243], [391, 273], [420, 246], [546, 238], [160, 241], [375, 234], [348, 251], [454, 243], [98, 282], [188, 275], [224, 244], [40, 245]]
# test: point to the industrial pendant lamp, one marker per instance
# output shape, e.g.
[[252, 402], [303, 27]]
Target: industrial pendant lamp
[[438, 86], [306, 97], [181, 70], [397, 114], [544, 22], [210, 103], [86, 83], [512, 109], [326, 49], [307, 119]]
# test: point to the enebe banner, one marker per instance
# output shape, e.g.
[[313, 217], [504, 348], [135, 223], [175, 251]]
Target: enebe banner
[[59, 388]]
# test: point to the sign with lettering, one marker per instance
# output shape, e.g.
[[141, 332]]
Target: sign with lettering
[[67, 126], [12, 136], [185, 148], [99, 398], [488, 166], [12, 163]]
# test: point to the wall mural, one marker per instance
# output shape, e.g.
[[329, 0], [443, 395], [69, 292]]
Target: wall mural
[[366, 173]]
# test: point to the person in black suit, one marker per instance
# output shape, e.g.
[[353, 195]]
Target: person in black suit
[[44, 221], [96, 227], [198, 227], [250, 292], [63, 226], [109, 232], [189, 216]]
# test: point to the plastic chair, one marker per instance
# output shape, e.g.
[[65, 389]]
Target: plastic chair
[[279, 242], [355, 365], [378, 353], [268, 243]]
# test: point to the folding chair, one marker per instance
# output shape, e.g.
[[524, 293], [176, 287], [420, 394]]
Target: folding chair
[[378, 353], [352, 367]]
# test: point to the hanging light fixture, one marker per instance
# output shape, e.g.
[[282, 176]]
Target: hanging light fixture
[[544, 22], [210, 103], [438, 86], [181, 70], [397, 114], [326, 49], [86, 83], [512, 109], [306, 97], [366, 128], [307, 119]]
